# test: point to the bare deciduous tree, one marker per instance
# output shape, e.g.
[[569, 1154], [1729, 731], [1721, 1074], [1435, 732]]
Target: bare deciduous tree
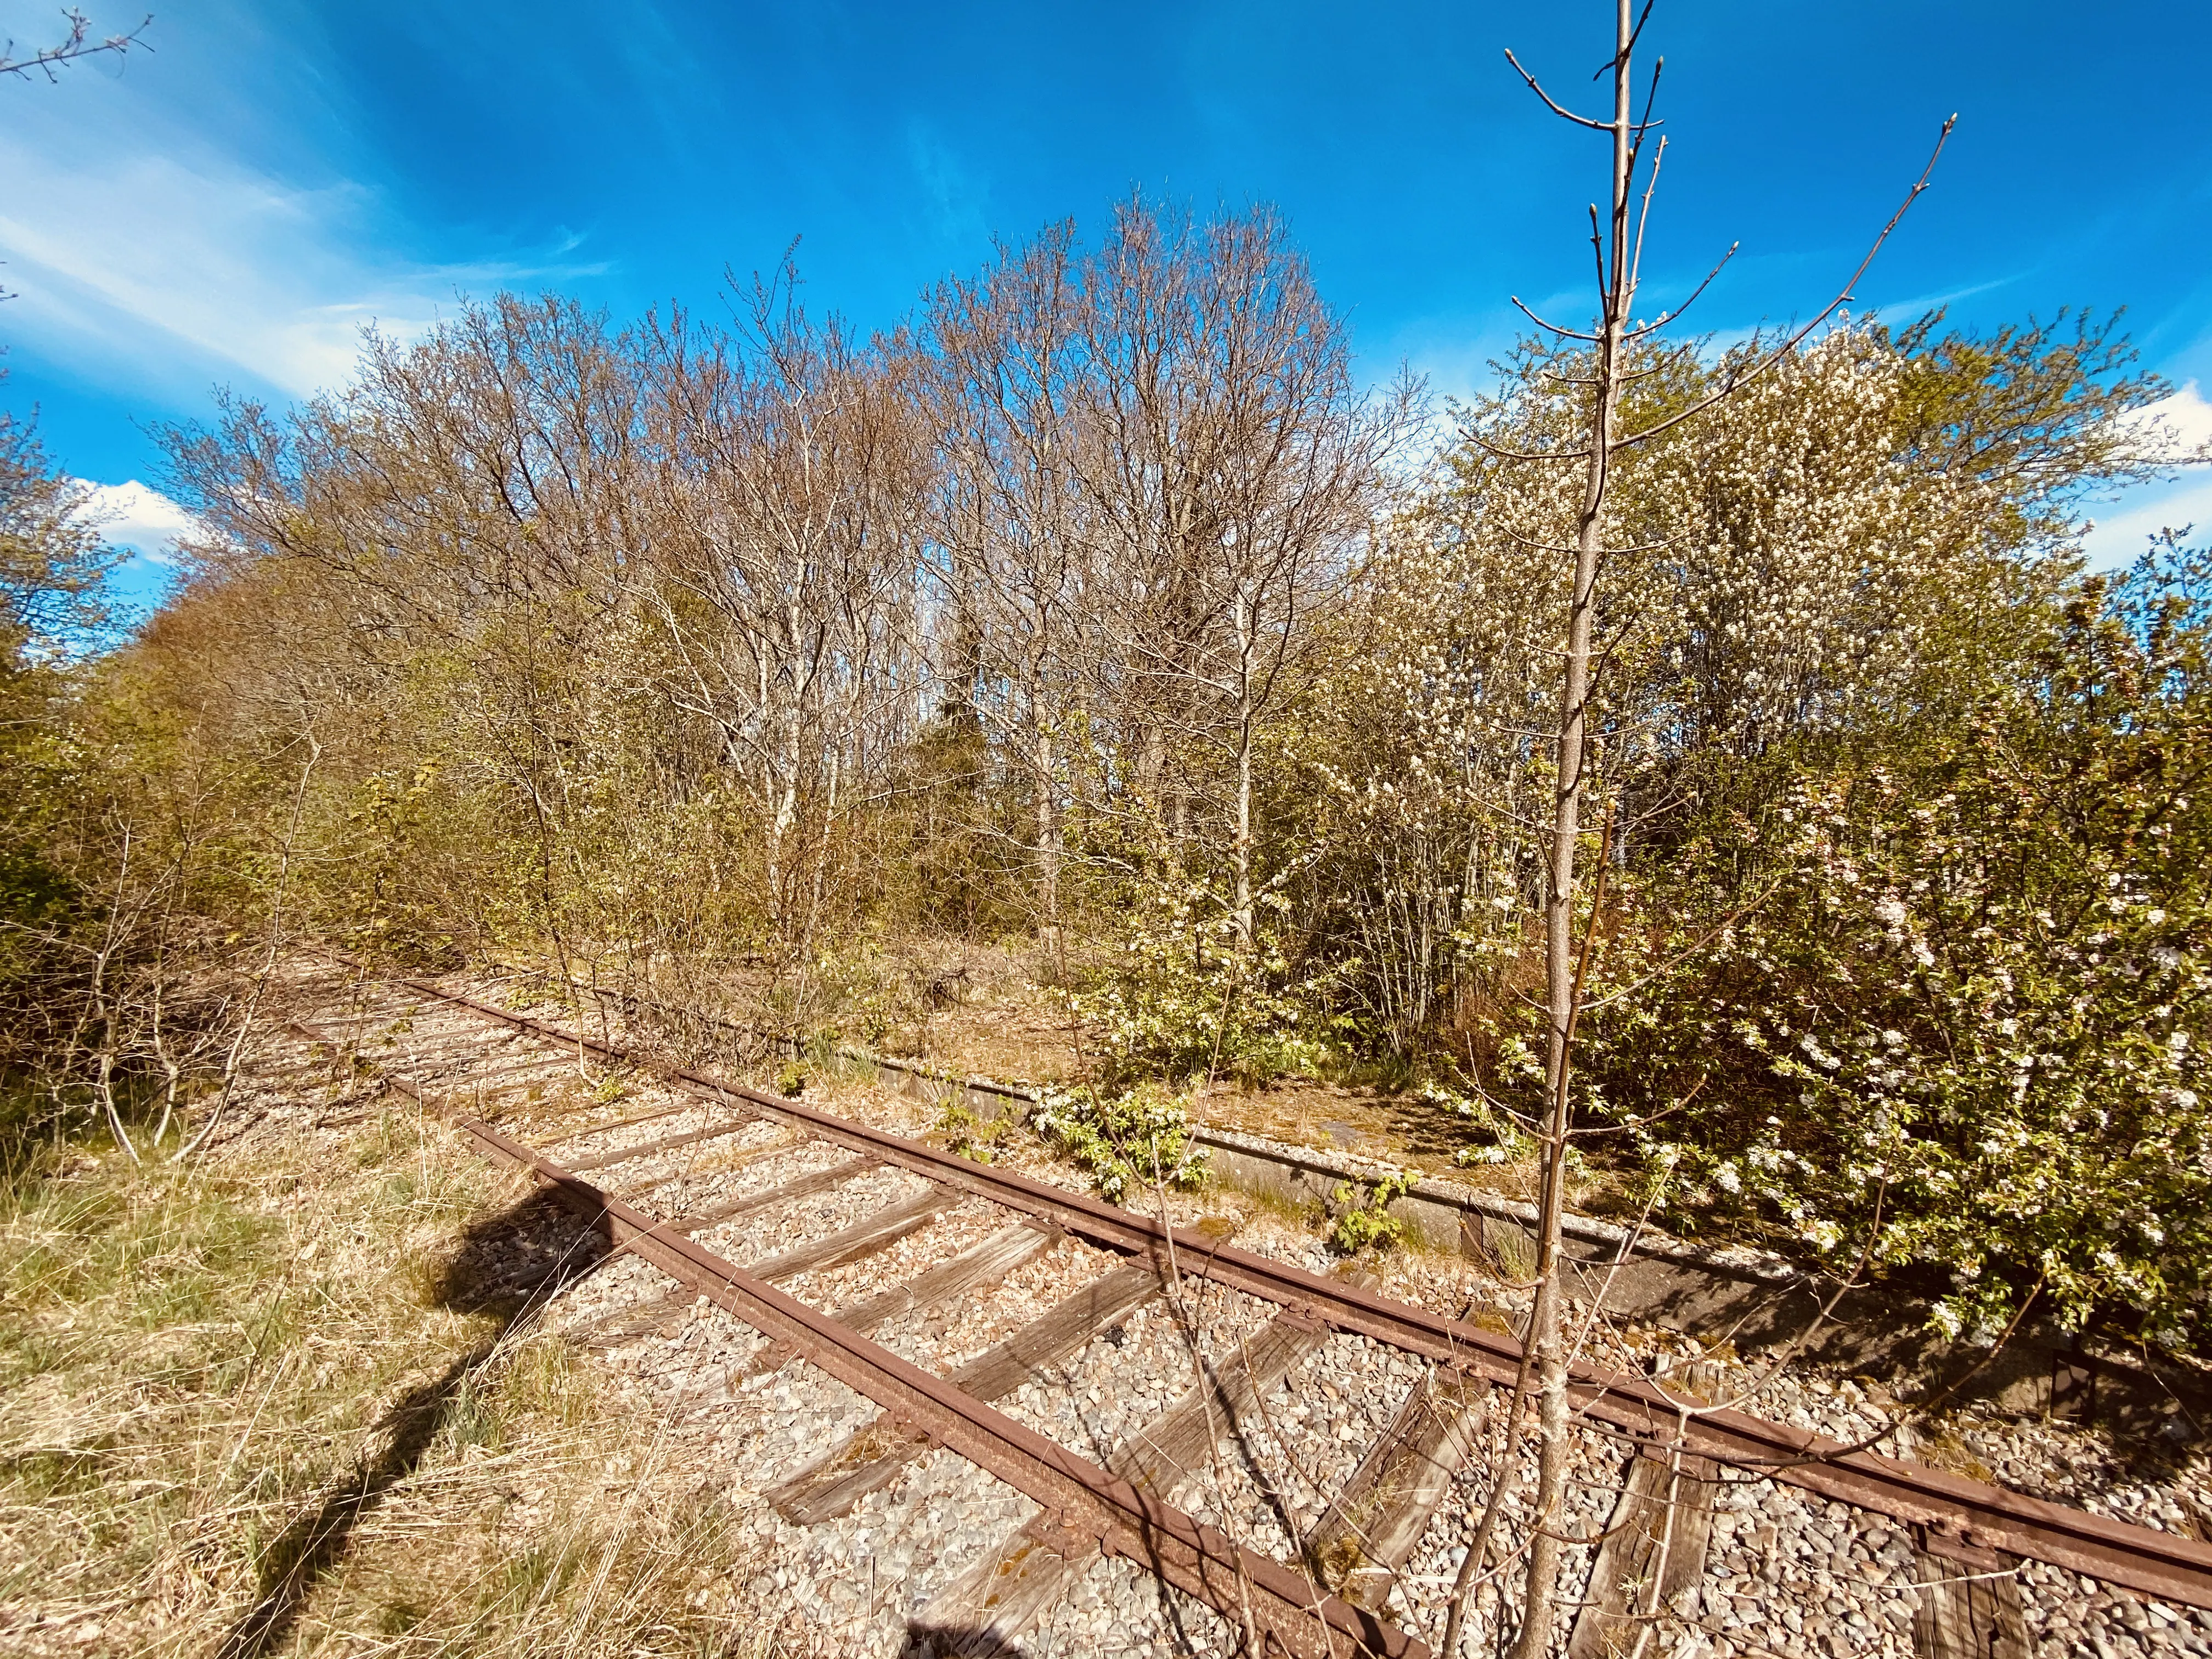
[[1005, 388], [1231, 468], [1617, 239], [783, 572]]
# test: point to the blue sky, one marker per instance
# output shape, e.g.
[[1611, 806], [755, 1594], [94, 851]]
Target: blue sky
[[231, 208]]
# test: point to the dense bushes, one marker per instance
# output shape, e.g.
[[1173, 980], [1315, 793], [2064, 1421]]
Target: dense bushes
[[1950, 1000], [1102, 607]]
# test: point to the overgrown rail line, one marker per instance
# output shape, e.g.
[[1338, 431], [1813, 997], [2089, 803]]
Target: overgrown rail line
[[1969, 1532]]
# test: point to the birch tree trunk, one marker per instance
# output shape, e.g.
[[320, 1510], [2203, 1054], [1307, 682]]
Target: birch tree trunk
[[1241, 856]]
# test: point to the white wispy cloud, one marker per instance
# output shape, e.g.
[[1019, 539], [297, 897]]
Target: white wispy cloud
[[1901, 312], [145, 263], [953, 197], [2182, 427], [142, 248], [2184, 420], [2124, 533], [139, 517]]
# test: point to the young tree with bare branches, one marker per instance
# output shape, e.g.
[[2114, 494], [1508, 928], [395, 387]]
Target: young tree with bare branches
[[74, 46], [1617, 237]]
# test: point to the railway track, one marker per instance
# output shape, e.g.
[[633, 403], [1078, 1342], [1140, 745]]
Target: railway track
[[770, 1209]]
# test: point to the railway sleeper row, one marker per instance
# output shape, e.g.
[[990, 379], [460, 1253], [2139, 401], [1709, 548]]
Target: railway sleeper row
[[753, 1197]]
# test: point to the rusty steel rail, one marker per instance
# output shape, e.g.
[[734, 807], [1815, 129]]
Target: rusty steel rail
[[2164, 1565], [1290, 1613]]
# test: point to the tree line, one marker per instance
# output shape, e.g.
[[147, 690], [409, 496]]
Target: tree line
[[1103, 606]]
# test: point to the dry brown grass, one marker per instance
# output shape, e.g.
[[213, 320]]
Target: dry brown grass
[[295, 1400]]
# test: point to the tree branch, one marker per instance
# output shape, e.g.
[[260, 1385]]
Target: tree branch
[[1565, 114], [75, 45]]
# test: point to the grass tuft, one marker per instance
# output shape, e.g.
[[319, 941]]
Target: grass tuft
[[295, 1400]]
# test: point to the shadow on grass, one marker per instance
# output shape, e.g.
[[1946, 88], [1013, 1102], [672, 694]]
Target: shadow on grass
[[959, 1643], [507, 1267]]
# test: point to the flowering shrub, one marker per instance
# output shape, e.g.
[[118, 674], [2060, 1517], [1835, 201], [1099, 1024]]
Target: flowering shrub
[[1781, 563], [1188, 997], [1957, 1006], [1131, 1137]]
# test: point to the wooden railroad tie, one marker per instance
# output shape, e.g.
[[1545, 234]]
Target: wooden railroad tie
[[1654, 1550], [988, 1608], [979, 1265], [864, 1238], [1970, 1605], [875, 1456], [665, 1144], [799, 1187], [1368, 1531]]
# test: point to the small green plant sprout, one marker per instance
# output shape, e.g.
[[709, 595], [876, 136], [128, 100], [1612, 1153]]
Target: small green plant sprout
[[792, 1079], [611, 1089], [1364, 1222], [1127, 1139], [970, 1134]]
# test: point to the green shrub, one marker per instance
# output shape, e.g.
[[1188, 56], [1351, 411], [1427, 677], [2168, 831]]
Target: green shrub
[[968, 1134], [1363, 1221], [1188, 997], [1138, 1137]]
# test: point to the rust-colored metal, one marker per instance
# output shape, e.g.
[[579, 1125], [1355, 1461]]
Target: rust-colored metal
[[2164, 1565], [614, 1155], [1292, 1617]]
